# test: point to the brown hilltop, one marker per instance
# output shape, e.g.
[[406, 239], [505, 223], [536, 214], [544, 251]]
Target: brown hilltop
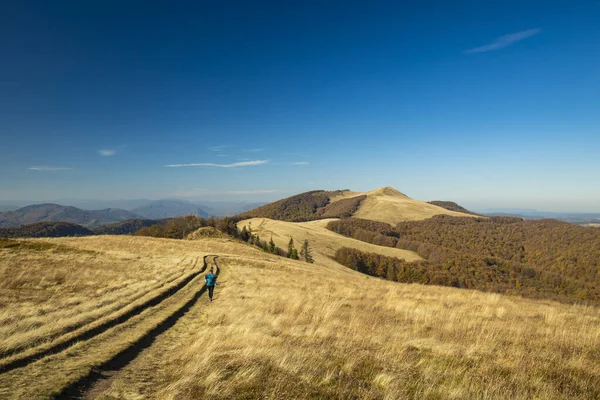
[[384, 204]]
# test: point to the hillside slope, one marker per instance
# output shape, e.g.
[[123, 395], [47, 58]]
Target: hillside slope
[[279, 329], [543, 259], [45, 229], [126, 227], [323, 242], [391, 206], [56, 213], [384, 204], [452, 206]]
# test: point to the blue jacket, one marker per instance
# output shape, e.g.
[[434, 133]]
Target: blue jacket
[[211, 279]]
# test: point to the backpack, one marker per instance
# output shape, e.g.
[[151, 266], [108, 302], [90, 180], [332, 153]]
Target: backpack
[[211, 279]]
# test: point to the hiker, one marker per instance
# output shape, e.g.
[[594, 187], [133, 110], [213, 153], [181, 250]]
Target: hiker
[[211, 281]]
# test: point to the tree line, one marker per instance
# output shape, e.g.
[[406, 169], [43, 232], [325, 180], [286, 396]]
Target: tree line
[[305, 253]]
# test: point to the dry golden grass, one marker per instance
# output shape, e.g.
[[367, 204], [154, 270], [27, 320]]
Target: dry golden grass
[[389, 205], [159, 259], [323, 242], [46, 293], [287, 329]]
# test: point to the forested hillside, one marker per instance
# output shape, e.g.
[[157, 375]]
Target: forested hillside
[[179, 228], [126, 227], [307, 206], [452, 206], [540, 259], [46, 229]]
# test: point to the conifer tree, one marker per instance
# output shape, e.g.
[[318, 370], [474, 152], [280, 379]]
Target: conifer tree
[[272, 247], [292, 252], [245, 235], [250, 234], [306, 253]]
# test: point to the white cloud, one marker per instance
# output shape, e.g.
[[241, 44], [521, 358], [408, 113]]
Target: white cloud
[[234, 165], [301, 163], [46, 168], [216, 148], [107, 152], [505, 41]]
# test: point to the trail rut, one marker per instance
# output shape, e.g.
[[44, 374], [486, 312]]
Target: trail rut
[[91, 330], [100, 377]]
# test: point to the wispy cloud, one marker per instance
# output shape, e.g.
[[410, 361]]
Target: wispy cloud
[[505, 41], [46, 168], [216, 148], [234, 165], [107, 152], [301, 163]]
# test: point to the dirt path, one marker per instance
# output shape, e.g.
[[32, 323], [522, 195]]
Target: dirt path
[[137, 374], [71, 372], [93, 329]]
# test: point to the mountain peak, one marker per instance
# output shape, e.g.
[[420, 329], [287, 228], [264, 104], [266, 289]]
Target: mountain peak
[[387, 191]]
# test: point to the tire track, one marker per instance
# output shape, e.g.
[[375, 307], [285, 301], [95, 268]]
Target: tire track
[[66, 330], [86, 334], [79, 388]]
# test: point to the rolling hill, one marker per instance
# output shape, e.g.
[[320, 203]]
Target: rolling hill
[[56, 213], [452, 206], [384, 204], [126, 227], [169, 208], [540, 259], [127, 317], [323, 241], [391, 206], [45, 229]]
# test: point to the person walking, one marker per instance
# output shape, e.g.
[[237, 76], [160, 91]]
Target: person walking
[[211, 281]]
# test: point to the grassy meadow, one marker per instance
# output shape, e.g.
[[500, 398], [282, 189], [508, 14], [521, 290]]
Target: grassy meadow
[[280, 328]]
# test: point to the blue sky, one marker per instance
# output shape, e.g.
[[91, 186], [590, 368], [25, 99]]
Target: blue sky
[[490, 104]]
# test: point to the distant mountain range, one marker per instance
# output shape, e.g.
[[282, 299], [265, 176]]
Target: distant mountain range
[[172, 207], [46, 229], [169, 208], [55, 213], [49, 212], [12, 216], [574, 218]]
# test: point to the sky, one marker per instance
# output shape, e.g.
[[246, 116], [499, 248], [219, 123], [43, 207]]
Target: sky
[[486, 103]]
